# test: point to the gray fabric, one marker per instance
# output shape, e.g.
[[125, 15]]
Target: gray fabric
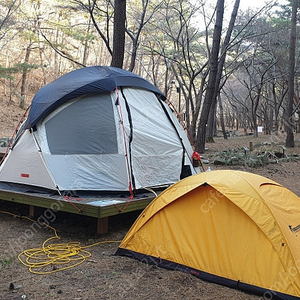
[[86, 126]]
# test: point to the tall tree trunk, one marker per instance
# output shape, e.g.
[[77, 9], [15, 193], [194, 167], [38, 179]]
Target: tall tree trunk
[[210, 124], [24, 76], [201, 134], [119, 34], [209, 134], [289, 142], [222, 117], [86, 44]]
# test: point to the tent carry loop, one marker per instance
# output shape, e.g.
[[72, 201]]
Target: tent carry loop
[[125, 145]]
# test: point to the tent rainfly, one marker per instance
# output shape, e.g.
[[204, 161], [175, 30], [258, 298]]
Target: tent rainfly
[[234, 228], [99, 129]]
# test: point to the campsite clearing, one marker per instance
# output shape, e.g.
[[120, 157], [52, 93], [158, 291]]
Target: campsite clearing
[[104, 276]]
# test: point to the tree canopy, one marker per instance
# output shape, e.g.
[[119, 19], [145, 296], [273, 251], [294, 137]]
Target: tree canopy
[[220, 70]]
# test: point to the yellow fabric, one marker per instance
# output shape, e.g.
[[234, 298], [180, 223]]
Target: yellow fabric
[[227, 223]]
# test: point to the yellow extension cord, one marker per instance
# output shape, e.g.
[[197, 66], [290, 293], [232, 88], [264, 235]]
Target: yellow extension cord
[[45, 260]]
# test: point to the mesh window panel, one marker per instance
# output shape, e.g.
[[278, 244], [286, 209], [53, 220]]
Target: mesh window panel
[[86, 126]]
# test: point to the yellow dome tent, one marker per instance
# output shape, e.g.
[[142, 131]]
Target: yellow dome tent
[[229, 227]]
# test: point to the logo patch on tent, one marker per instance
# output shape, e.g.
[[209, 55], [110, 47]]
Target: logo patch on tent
[[295, 229], [25, 175]]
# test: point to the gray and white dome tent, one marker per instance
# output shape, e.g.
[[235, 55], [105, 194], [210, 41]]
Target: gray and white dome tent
[[98, 129]]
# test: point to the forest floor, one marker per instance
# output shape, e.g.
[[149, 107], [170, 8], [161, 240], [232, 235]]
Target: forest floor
[[103, 275]]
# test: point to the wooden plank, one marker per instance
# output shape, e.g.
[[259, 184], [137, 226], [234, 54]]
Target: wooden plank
[[100, 207], [54, 203], [112, 210], [31, 211], [102, 225]]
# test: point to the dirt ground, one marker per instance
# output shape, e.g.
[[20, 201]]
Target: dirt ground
[[103, 275]]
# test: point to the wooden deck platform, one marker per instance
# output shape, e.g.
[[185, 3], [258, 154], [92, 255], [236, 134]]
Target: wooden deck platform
[[98, 206]]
